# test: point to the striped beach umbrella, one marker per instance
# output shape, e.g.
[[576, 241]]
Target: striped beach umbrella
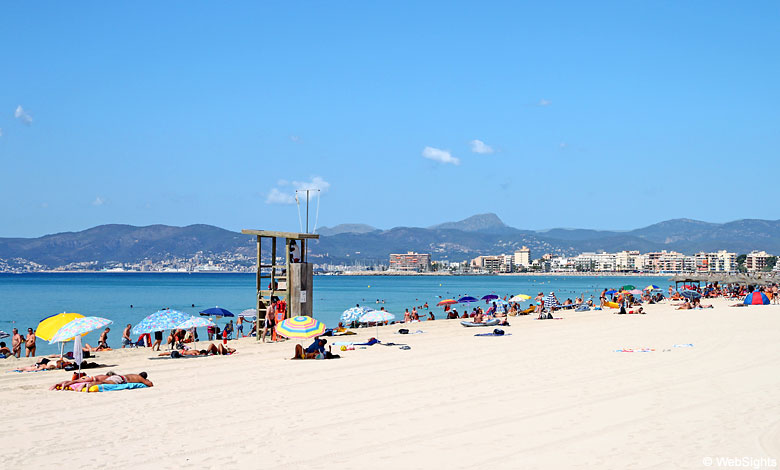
[[447, 302], [551, 301], [160, 320], [3, 334], [652, 287], [756, 298], [690, 294], [300, 327], [49, 326], [78, 327]]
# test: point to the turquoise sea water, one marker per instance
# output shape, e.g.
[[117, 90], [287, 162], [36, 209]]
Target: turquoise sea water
[[27, 298]]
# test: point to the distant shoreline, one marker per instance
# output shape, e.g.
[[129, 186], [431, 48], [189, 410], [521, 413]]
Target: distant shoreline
[[374, 273]]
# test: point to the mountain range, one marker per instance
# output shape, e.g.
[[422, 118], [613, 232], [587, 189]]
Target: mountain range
[[477, 235]]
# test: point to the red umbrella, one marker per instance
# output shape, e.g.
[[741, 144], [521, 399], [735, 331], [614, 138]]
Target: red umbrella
[[446, 302], [756, 298]]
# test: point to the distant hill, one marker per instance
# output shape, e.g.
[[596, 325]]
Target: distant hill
[[477, 235], [476, 223], [345, 228]]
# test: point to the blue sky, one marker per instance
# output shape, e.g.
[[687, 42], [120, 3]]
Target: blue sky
[[607, 115]]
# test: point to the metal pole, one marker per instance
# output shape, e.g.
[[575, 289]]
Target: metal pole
[[307, 211]]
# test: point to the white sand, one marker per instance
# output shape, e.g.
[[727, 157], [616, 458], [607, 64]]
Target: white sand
[[552, 395]]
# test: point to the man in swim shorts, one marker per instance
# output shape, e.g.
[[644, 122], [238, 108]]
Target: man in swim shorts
[[29, 343], [103, 341], [16, 342], [126, 341], [270, 320]]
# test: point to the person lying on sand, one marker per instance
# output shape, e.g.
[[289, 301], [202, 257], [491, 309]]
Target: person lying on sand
[[211, 350], [45, 364], [685, 306], [88, 348], [108, 378]]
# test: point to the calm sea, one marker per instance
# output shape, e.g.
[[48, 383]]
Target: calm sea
[[28, 298]]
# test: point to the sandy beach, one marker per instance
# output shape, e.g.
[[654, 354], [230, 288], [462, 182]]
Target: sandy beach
[[554, 394]]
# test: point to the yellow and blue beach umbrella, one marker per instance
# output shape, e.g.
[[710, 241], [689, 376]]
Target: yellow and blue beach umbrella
[[78, 327], [49, 326], [300, 327]]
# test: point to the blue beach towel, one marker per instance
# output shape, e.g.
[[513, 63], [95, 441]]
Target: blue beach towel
[[115, 387]]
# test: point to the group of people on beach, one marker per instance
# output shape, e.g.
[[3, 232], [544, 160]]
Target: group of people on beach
[[18, 342]]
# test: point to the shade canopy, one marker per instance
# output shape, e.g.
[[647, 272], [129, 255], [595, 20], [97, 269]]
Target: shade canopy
[[217, 312], [690, 294], [49, 326], [467, 299], [300, 327], [756, 298], [195, 322], [78, 327], [161, 320], [248, 313], [489, 297], [377, 316], [520, 298]]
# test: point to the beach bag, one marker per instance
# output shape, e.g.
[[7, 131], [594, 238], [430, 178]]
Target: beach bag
[[403, 331], [498, 332]]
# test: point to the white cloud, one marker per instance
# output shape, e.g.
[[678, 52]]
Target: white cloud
[[316, 182], [544, 102], [99, 201], [439, 155], [23, 115], [477, 146], [278, 197]]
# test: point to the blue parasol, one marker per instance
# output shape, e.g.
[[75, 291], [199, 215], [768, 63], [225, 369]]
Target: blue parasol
[[217, 312], [467, 299]]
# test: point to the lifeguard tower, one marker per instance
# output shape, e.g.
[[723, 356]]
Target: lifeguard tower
[[291, 281]]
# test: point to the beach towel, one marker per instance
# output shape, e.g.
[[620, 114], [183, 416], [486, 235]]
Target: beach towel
[[115, 387], [370, 342], [631, 350], [493, 334], [689, 345]]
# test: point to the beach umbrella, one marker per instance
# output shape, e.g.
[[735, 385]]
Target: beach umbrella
[[3, 334], [756, 298], [195, 322], [610, 292], [652, 287], [551, 301], [636, 292], [628, 287], [248, 313], [502, 304], [49, 326], [377, 317], [520, 298], [217, 312], [489, 297], [467, 299], [353, 314], [446, 302], [300, 327], [78, 327], [160, 320], [690, 294]]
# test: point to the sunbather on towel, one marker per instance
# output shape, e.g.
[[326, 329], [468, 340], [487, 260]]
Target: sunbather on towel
[[108, 378], [45, 364]]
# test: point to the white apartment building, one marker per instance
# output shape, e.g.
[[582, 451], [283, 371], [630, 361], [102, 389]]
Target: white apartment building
[[756, 260], [522, 257], [718, 262]]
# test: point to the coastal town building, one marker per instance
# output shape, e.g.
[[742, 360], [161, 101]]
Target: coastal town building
[[756, 260], [718, 262], [410, 261], [522, 258]]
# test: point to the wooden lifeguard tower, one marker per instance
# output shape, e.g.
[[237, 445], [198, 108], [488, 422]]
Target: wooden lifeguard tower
[[291, 281]]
